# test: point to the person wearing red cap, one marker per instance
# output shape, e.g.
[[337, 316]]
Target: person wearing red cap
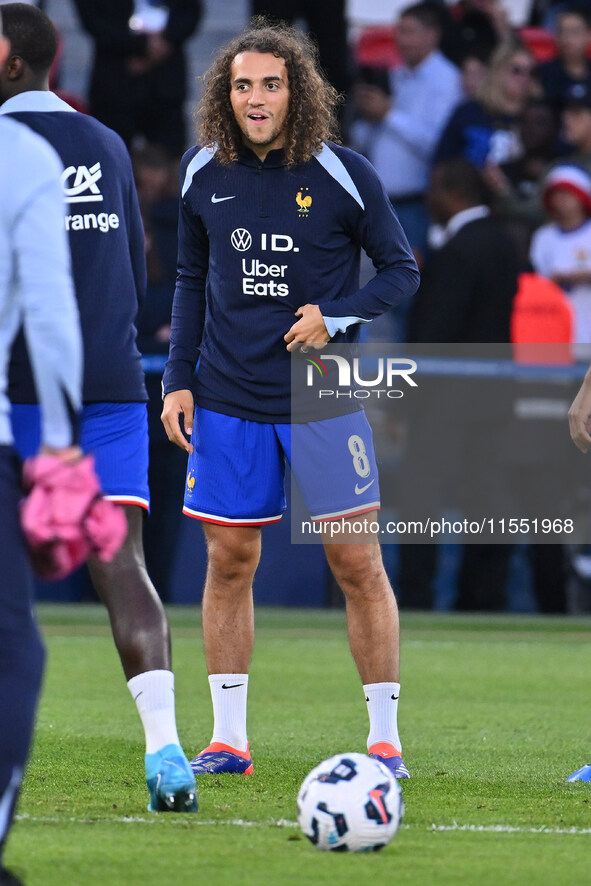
[[561, 249]]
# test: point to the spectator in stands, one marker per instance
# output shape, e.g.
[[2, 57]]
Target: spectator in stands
[[466, 296], [571, 68], [474, 69], [138, 80], [327, 24], [485, 130], [474, 27], [516, 185], [576, 124], [561, 250], [398, 130], [156, 176], [468, 284]]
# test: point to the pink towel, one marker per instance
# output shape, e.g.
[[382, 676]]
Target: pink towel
[[64, 518]]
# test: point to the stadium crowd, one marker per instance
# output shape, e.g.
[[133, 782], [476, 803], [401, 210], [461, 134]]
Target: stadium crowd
[[443, 84]]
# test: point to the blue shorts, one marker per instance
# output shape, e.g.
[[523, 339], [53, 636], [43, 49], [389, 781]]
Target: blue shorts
[[236, 472], [115, 433]]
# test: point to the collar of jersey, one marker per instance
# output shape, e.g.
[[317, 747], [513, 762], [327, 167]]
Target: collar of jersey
[[35, 100], [273, 159]]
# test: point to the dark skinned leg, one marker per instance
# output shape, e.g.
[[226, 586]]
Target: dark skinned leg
[[138, 621]]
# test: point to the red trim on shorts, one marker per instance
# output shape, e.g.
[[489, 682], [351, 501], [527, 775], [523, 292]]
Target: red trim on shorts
[[219, 521], [121, 500], [346, 515]]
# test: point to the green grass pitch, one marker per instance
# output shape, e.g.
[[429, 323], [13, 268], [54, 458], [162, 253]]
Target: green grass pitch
[[495, 713]]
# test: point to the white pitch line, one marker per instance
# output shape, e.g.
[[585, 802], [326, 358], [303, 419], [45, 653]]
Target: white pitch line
[[157, 819], [507, 829], [285, 823]]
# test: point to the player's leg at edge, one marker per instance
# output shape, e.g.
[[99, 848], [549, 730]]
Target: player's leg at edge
[[373, 629], [142, 637], [233, 554]]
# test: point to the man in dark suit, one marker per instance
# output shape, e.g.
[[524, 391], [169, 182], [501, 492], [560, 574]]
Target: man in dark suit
[[465, 297], [138, 81], [468, 284]]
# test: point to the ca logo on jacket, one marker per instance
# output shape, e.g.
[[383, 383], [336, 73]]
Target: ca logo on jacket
[[80, 186], [84, 188]]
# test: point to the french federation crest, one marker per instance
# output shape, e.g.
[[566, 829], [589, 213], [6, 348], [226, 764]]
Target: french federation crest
[[304, 201]]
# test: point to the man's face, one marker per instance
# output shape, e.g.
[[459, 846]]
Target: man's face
[[576, 122], [4, 49], [415, 41], [564, 206], [572, 36], [4, 54], [259, 94]]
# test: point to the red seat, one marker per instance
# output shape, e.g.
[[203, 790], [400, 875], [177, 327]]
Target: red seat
[[542, 315], [376, 48], [540, 43]]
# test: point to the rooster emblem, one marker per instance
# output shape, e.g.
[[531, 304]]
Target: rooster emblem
[[303, 202], [190, 482]]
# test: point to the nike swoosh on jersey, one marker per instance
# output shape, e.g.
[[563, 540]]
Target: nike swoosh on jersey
[[215, 199], [358, 491]]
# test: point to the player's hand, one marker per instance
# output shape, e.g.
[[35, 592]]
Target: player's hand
[[178, 403], [64, 453], [579, 416], [371, 102], [158, 48], [496, 179], [308, 331]]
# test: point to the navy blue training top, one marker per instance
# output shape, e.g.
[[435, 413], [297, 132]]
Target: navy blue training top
[[257, 240], [106, 238]]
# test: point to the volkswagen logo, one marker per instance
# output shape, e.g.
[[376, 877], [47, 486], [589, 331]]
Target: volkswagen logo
[[241, 239]]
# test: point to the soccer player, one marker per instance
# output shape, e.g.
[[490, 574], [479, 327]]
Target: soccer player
[[272, 217], [579, 420], [579, 415], [35, 283], [107, 248]]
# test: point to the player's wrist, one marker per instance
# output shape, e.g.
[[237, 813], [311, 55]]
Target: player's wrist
[[64, 453]]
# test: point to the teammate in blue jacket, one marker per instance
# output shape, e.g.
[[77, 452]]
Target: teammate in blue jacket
[[107, 247], [272, 218], [35, 283]]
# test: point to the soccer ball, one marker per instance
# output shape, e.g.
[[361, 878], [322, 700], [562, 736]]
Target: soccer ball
[[350, 803]]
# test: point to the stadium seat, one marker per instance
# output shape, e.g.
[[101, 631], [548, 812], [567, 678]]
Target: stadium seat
[[540, 43], [542, 314], [376, 48]]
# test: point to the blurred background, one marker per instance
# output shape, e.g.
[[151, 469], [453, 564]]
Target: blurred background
[[477, 116]]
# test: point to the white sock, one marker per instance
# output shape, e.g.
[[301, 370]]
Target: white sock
[[228, 694], [153, 693], [382, 707]]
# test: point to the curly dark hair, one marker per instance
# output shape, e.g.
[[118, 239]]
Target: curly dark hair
[[311, 117]]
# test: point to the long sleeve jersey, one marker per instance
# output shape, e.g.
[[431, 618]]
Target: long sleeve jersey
[[35, 282], [258, 240], [106, 239]]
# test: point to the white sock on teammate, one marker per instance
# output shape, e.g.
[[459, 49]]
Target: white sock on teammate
[[382, 707], [153, 693], [228, 694]]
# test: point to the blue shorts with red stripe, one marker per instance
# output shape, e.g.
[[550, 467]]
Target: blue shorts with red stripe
[[115, 433], [236, 472]]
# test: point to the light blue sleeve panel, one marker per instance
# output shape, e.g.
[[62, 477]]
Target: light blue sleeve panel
[[337, 169], [341, 324], [44, 285], [200, 159], [378, 232]]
